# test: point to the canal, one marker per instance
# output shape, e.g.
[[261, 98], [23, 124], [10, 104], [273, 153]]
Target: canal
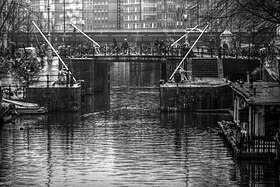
[[128, 142]]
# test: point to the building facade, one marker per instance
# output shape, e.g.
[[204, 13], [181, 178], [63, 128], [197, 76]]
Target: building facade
[[111, 14], [139, 14], [100, 14], [170, 14]]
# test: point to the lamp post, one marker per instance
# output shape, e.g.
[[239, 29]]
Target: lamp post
[[249, 31], [49, 34]]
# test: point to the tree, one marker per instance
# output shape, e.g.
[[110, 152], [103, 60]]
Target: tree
[[250, 13], [260, 16], [16, 15]]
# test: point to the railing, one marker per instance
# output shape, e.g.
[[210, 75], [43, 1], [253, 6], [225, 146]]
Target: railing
[[18, 92], [277, 143], [259, 144], [179, 51], [53, 50]]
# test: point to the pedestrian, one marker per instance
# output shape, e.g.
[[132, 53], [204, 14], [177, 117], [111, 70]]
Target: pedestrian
[[161, 47], [225, 49], [125, 46], [220, 51], [115, 44]]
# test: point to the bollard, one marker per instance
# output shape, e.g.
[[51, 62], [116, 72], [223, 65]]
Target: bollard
[[48, 80], [10, 91], [67, 77]]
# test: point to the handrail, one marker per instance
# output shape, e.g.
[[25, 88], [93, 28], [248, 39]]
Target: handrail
[[85, 35], [187, 32], [188, 52], [53, 49], [277, 145]]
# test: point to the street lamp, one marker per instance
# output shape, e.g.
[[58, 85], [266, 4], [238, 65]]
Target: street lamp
[[185, 17], [49, 34], [249, 31]]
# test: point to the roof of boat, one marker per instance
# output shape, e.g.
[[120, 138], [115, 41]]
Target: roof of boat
[[259, 93]]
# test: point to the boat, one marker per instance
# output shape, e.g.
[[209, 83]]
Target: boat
[[24, 107], [253, 132], [5, 115]]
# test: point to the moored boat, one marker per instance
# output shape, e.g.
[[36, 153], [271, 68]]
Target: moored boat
[[253, 133], [24, 107]]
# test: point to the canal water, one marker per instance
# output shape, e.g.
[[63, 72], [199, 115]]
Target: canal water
[[128, 143]]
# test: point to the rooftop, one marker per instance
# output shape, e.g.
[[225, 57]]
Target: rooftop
[[260, 93]]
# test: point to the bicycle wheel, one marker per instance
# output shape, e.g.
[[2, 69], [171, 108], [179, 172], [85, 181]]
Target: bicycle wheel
[[6, 93], [20, 92]]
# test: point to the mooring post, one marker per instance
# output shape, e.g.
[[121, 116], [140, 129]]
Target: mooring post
[[48, 80], [177, 97], [10, 91]]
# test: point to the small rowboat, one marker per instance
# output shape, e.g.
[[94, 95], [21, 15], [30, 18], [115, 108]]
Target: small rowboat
[[24, 107]]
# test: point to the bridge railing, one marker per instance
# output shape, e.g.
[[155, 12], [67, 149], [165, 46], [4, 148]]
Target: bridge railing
[[18, 91], [144, 50]]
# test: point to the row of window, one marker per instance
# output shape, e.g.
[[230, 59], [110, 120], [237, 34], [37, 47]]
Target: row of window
[[140, 26], [97, 3], [138, 1], [97, 18], [131, 9], [132, 18], [109, 26]]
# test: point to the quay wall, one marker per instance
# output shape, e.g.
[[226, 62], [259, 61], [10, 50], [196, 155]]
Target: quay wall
[[63, 99], [235, 69], [195, 98], [96, 82], [83, 69], [0, 98]]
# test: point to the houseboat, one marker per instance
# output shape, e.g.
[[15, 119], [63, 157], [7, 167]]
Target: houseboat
[[253, 133]]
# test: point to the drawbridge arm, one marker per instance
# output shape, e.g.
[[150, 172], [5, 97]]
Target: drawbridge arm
[[94, 42], [187, 32], [177, 68], [53, 49]]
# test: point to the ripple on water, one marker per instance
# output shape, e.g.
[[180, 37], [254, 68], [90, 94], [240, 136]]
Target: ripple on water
[[146, 150]]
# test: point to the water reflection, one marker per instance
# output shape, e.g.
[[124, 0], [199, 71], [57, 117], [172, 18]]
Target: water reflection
[[135, 74], [132, 144]]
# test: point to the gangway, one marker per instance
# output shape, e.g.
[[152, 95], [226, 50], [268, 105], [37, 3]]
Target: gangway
[[96, 45]]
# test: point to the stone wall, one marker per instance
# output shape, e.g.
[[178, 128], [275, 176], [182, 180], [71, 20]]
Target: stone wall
[[0, 98], [235, 69], [195, 98], [65, 99], [96, 86]]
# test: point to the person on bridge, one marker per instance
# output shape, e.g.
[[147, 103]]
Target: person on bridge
[[185, 48], [115, 46], [125, 46], [162, 47]]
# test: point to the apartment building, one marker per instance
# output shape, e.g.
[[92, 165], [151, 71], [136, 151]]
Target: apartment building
[[139, 14], [100, 14], [122, 14]]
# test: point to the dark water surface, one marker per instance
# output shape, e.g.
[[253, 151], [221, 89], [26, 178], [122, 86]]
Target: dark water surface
[[132, 144]]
